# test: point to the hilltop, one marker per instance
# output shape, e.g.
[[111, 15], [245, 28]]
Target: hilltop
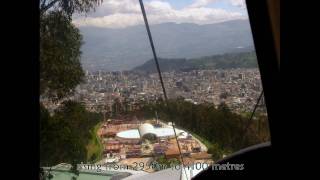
[[224, 61]]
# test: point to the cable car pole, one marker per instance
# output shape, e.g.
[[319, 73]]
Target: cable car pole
[[160, 77], [152, 47]]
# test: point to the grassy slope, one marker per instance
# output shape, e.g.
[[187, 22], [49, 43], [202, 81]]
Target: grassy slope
[[204, 141], [94, 146]]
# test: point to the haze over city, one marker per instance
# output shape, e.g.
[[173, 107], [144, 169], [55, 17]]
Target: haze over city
[[115, 37]]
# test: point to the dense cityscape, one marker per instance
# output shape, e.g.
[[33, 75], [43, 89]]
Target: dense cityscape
[[238, 88]]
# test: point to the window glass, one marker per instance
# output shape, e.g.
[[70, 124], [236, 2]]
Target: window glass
[[102, 104]]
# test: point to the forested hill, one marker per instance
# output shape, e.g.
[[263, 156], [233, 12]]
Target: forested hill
[[224, 61]]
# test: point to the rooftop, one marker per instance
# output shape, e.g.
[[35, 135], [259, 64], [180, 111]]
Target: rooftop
[[160, 132]]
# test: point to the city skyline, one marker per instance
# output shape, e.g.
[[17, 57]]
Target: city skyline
[[238, 88]]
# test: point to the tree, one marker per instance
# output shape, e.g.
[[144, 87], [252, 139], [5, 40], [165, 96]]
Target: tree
[[164, 163], [215, 151], [69, 6], [60, 68], [60, 42], [116, 107], [65, 135], [220, 127], [74, 170]]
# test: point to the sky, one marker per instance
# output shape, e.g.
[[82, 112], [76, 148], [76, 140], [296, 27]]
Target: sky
[[125, 13]]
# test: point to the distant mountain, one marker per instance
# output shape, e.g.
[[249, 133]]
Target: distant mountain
[[224, 61], [124, 49]]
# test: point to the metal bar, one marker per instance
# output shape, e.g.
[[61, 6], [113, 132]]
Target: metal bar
[[160, 76]]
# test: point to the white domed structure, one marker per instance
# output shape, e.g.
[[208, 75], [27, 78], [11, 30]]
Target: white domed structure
[[147, 131], [129, 134]]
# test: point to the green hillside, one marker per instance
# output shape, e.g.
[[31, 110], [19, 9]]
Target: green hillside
[[224, 61]]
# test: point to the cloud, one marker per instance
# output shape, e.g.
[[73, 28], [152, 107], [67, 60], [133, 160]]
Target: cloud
[[109, 7], [238, 3], [117, 20], [124, 13], [200, 3]]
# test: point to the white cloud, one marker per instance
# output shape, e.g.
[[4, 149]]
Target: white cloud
[[124, 13], [117, 20], [200, 3], [238, 3], [203, 3]]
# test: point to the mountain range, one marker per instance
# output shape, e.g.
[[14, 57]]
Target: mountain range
[[110, 49]]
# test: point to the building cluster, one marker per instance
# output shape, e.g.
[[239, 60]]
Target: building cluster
[[118, 149], [115, 91]]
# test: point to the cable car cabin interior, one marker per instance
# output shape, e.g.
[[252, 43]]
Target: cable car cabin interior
[[264, 18], [259, 160]]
